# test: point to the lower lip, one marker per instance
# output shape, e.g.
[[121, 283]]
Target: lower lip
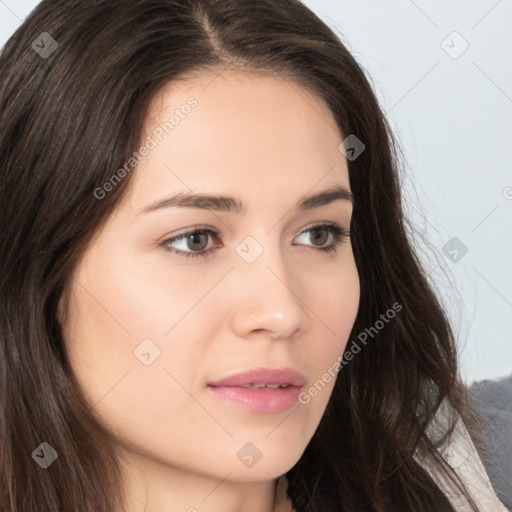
[[259, 399]]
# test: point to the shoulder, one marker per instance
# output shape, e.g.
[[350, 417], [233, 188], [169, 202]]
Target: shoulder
[[460, 454], [490, 402]]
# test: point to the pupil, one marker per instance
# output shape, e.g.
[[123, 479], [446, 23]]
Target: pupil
[[196, 239], [314, 235]]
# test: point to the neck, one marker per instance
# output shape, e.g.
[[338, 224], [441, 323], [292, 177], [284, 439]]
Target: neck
[[151, 486]]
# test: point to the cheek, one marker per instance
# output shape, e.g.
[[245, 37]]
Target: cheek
[[136, 334], [121, 302], [121, 316], [334, 301], [134, 341]]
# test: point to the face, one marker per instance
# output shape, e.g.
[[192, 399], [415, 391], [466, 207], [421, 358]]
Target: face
[[179, 296]]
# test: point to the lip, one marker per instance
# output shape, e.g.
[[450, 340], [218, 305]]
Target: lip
[[261, 399], [262, 375]]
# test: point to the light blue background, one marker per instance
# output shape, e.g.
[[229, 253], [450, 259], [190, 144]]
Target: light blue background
[[453, 117]]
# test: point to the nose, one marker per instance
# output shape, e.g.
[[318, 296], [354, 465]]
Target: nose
[[266, 299]]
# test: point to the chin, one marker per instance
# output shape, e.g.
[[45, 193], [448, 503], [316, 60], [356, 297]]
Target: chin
[[264, 459]]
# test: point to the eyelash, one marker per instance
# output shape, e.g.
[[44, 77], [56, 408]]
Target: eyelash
[[338, 233]]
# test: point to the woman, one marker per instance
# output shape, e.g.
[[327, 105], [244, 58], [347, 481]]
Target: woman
[[209, 300]]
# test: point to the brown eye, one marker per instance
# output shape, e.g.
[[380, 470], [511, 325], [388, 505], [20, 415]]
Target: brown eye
[[192, 243], [325, 237], [319, 235], [197, 241]]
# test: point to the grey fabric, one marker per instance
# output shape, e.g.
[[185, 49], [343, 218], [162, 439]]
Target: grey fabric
[[491, 403]]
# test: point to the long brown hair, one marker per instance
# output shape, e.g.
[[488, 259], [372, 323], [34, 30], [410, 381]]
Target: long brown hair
[[72, 110]]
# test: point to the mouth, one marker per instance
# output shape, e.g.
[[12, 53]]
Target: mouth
[[267, 386], [261, 390]]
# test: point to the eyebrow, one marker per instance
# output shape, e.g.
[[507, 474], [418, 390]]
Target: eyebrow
[[230, 204]]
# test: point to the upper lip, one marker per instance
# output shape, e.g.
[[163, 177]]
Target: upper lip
[[263, 376]]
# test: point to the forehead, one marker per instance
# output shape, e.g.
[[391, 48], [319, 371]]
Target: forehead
[[239, 133], [245, 105]]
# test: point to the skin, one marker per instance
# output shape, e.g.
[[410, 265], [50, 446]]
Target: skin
[[267, 142]]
